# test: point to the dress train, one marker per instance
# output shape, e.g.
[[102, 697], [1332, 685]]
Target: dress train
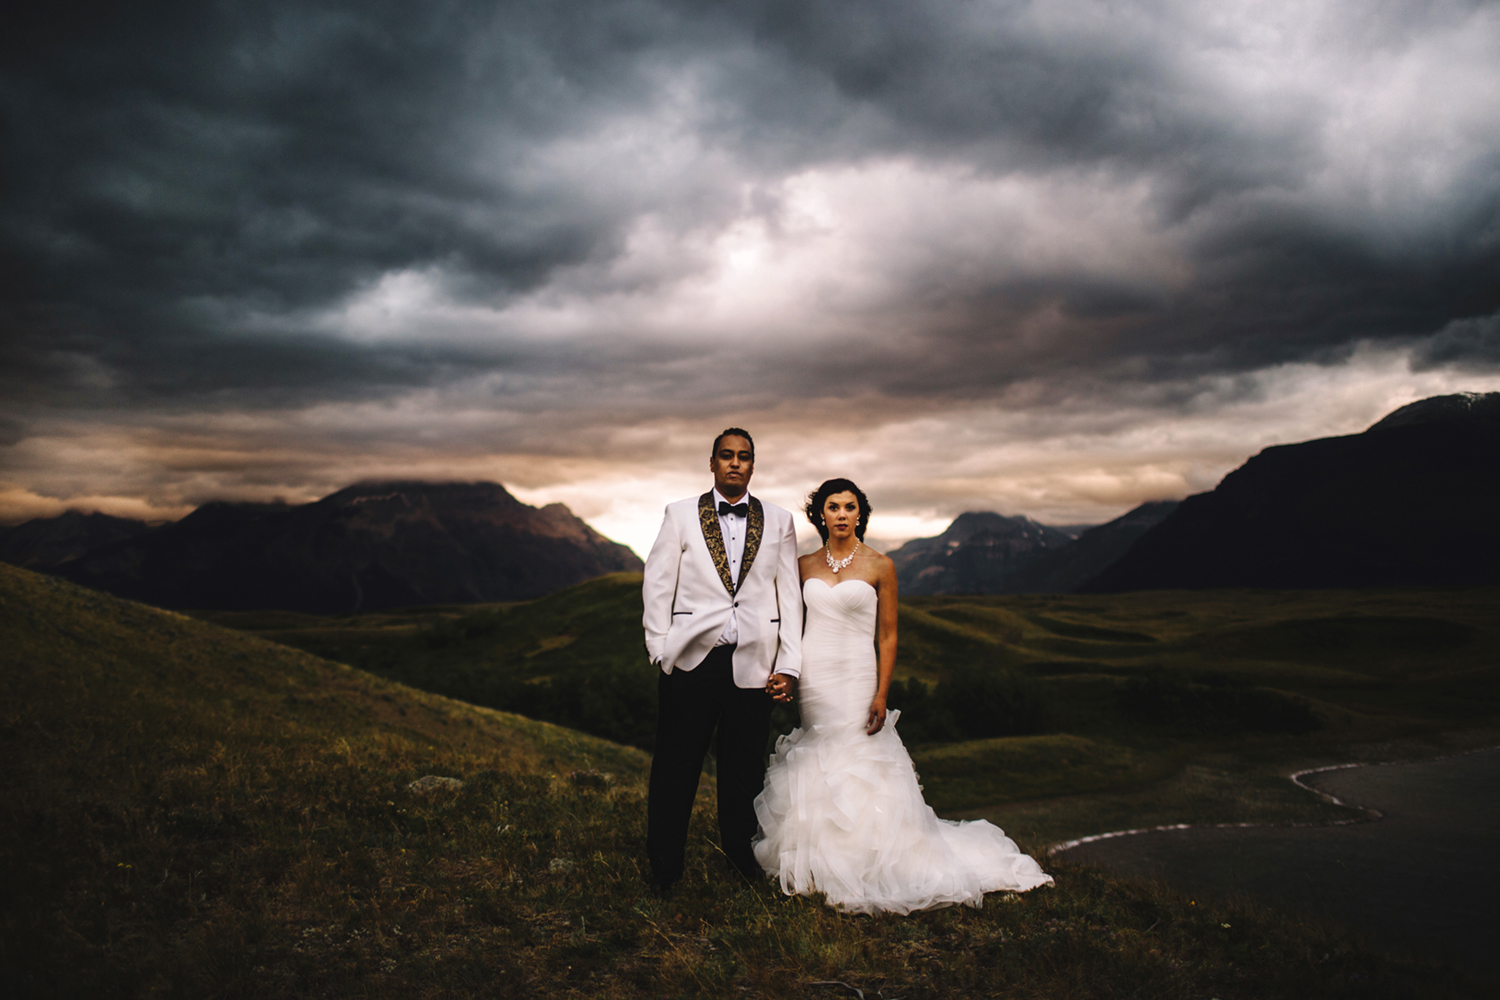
[[842, 812]]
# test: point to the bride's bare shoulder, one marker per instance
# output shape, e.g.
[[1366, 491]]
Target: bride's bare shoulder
[[883, 565]]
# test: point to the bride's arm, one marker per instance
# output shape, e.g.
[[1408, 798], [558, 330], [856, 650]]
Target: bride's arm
[[885, 642]]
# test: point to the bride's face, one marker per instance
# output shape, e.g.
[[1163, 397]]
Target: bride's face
[[840, 515]]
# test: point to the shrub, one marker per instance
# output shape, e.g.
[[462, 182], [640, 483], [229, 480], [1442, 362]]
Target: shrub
[[991, 700], [975, 702], [922, 719], [1170, 699]]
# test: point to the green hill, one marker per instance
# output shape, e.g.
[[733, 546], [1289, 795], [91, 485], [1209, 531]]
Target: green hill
[[574, 657], [1156, 687], [193, 811], [1193, 706], [197, 811]]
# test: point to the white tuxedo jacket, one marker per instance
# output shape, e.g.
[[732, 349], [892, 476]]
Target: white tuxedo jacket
[[689, 595]]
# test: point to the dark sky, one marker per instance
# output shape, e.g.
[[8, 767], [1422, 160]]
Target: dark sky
[[1050, 258]]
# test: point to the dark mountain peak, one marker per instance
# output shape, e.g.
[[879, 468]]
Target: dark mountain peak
[[979, 527], [375, 544], [1067, 568], [416, 494], [1410, 505], [561, 522], [1460, 407], [379, 504], [236, 508], [44, 543], [976, 554], [968, 525], [1149, 513], [381, 489], [74, 516]]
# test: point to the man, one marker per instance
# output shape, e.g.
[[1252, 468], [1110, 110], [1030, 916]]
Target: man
[[724, 623]]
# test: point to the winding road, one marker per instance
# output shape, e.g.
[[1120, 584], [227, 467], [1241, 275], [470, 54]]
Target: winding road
[[1427, 872]]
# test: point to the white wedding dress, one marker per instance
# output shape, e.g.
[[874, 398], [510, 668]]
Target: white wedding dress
[[842, 812]]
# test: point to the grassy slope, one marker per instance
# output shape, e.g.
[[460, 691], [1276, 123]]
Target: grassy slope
[[190, 809], [583, 641], [576, 655], [1378, 666], [193, 812]]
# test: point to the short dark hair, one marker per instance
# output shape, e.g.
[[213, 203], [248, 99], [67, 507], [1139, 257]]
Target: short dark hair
[[733, 432], [819, 496]]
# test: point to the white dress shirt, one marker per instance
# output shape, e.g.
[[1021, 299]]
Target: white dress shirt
[[733, 529]]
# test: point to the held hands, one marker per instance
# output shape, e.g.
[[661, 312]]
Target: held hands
[[782, 688], [876, 721]]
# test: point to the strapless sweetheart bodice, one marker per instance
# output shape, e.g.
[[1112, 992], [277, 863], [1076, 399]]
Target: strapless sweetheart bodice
[[841, 613], [838, 652]]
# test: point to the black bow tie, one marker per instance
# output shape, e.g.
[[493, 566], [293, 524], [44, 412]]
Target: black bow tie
[[742, 509]]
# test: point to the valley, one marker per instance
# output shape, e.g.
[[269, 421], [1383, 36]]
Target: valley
[[194, 810], [1142, 708]]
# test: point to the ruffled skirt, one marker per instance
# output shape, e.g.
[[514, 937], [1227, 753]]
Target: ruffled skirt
[[842, 814]]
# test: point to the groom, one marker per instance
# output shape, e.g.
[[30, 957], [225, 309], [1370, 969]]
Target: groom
[[724, 623]]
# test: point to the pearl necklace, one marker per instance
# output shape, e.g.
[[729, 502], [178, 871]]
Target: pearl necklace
[[842, 563]]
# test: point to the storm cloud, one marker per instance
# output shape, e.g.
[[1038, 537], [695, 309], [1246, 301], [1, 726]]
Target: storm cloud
[[1049, 258]]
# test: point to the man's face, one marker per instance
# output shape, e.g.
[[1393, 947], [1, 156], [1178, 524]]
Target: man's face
[[731, 466]]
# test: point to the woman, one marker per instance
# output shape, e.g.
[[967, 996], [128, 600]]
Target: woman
[[842, 813]]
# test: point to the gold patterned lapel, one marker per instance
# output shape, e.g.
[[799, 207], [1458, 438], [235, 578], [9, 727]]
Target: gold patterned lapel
[[753, 534], [708, 517]]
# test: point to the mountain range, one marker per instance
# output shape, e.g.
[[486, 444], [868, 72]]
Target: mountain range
[[982, 552], [979, 553], [372, 546], [1410, 501], [1066, 569], [47, 543]]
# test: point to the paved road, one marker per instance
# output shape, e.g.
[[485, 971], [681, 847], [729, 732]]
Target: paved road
[[1427, 872]]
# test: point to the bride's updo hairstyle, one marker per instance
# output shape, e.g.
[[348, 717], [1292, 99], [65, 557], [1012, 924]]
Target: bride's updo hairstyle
[[815, 501]]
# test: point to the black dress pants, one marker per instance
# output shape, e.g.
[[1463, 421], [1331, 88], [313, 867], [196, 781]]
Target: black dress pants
[[691, 704]]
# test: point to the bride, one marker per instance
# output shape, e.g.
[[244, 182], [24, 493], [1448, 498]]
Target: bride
[[841, 812]]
